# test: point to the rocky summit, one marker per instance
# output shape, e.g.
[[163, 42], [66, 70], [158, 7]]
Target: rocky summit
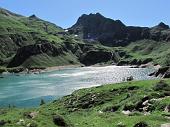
[[114, 33]]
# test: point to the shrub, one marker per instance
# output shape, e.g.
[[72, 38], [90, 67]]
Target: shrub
[[2, 70], [129, 106], [111, 109], [42, 102], [161, 86]]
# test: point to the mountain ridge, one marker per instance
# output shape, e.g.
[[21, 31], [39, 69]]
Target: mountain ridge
[[111, 32], [31, 41], [93, 32]]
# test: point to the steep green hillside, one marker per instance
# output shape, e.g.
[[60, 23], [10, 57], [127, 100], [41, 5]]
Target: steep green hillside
[[31, 41], [158, 51], [17, 31], [117, 105]]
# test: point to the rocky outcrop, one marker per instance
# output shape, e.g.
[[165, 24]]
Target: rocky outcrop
[[93, 57], [2, 122], [59, 121], [163, 72], [137, 62], [97, 27], [30, 50], [114, 33], [86, 54]]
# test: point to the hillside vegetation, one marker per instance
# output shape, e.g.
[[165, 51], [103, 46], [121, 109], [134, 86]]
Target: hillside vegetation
[[158, 51], [31, 41], [116, 105]]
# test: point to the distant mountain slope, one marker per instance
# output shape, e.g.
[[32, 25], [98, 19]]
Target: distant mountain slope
[[114, 33], [31, 41], [17, 31]]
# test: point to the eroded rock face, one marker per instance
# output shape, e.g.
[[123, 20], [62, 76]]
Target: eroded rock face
[[30, 50], [93, 57], [87, 54], [134, 62], [163, 72]]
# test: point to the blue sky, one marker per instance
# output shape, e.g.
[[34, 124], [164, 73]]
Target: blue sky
[[65, 12]]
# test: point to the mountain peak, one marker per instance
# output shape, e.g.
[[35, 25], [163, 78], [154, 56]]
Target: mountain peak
[[163, 25], [91, 15], [96, 14], [94, 26], [96, 18], [33, 17]]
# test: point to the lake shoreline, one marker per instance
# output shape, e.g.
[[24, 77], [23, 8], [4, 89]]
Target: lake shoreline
[[63, 80], [54, 68]]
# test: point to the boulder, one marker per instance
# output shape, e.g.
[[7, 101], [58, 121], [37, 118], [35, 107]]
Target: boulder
[[2, 122], [21, 122], [120, 124], [30, 115], [130, 78], [58, 120], [165, 125], [127, 112], [141, 124], [167, 108]]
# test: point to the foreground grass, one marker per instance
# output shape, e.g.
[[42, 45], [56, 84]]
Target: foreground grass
[[101, 106]]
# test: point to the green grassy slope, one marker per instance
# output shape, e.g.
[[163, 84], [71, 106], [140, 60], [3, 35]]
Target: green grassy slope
[[17, 31], [102, 107], [143, 49]]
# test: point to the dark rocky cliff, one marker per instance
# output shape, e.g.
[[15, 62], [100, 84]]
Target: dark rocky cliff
[[114, 33], [83, 53]]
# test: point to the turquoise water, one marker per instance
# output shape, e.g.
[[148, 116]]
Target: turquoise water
[[26, 90]]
